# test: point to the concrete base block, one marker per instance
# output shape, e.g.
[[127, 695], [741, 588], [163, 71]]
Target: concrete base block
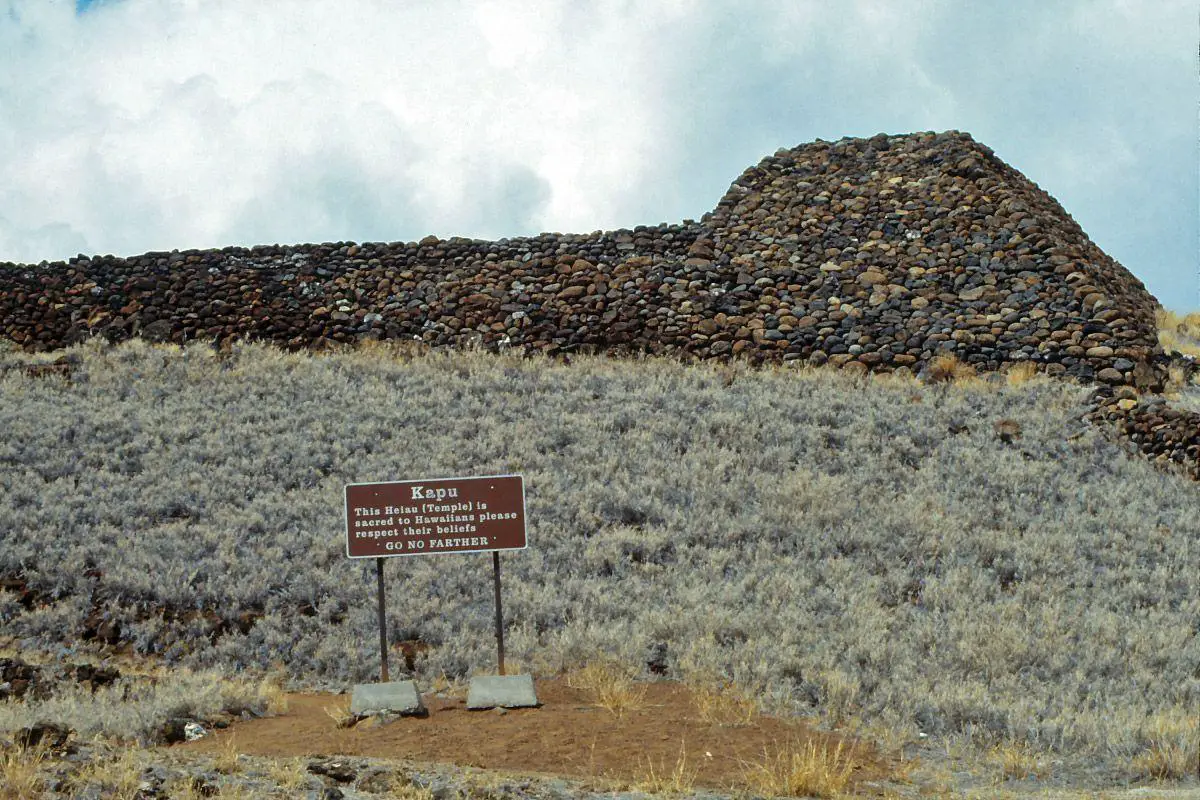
[[397, 697], [501, 691]]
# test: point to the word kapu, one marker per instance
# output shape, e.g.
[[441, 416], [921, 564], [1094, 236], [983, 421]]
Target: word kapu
[[421, 493]]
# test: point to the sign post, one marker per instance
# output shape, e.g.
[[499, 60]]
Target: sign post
[[499, 614], [383, 665], [426, 517]]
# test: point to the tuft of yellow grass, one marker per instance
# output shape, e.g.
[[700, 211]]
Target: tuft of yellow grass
[[1179, 333], [290, 773], [444, 685], [21, 772], [1177, 379], [394, 350], [947, 368], [341, 716], [671, 780], [120, 776], [239, 792], [408, 791], [839, 697], [271, 690], [811, 769], [719, 702], [228, 760], [1020, 372], [1172, 747], [1017, 761], [611, 685], [187, 787]]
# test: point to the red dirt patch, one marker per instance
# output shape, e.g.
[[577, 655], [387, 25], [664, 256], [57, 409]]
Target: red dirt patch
[[567, 736]]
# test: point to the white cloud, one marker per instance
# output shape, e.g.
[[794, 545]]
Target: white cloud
[[171, 124], [153, 124]]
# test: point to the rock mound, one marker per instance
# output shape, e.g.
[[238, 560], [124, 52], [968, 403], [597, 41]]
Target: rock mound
[[885, 251], [906, 247]]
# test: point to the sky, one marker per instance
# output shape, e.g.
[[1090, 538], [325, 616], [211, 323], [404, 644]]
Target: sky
[[135, 125]]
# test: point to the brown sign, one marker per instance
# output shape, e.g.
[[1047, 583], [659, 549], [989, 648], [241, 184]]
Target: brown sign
[[446, 515]]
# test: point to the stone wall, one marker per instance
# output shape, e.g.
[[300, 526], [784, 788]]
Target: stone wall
[[869, 254]]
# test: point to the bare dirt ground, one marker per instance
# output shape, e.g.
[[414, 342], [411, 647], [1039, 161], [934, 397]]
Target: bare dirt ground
[[568, 736]]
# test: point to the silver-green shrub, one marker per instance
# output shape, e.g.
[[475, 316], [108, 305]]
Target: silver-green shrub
[[864, 546]]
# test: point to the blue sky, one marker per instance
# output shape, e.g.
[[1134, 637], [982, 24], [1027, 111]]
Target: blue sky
[[135, 125]]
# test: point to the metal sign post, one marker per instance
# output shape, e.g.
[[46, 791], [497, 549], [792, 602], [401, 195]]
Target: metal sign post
[[383, 665], [499, 613]]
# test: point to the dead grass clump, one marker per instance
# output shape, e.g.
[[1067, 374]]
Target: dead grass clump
[[21, 772], [660, 778], [341, 716], [839, 697], [410, 791], [189, 787], [1171, 748], [611, 685], [811, 769], [1179, 333], [290, 773], [720, 702], [1177, 379], [1020, 372], [1017, 761], [228, 760], [272, 693], [396, 350], [119, 777], [444, 685], [239, 791], [947, 368]]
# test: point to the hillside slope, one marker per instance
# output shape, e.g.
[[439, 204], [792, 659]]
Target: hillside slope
[[972, 562]]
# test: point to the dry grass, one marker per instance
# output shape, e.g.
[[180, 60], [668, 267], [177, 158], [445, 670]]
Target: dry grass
[[273, 693], [120, 777], [402, 790], [443, 684], [290, 773], [1016, 761], [1020, 373], [227, 760], [1179, 333], [839, 698], [948, 369], [241, 792], [135, 708], [21, 773], [1171, 749], [676, 779], [341, 716], [186, 787], [811, 769], [611, 685], [721, 702], [1177, 379]]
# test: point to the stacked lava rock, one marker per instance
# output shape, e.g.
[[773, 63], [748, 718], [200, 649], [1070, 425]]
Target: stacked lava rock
[[874, 254], [1165, 435], [897, 249], [881, 252]]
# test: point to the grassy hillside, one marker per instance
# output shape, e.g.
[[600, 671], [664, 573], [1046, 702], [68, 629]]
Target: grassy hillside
[[877, 551]]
